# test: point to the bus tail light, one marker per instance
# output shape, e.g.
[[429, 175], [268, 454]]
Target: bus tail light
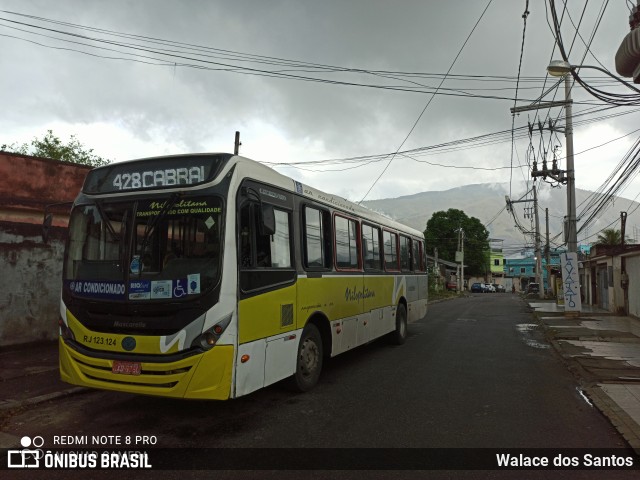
[[210, 337]]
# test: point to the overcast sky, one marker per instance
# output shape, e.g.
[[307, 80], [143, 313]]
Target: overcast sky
[[128, 103]]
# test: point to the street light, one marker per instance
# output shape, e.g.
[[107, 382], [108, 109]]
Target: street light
[[560, 68]]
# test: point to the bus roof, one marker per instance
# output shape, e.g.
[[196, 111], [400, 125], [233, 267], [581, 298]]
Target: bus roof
[[161, 172], [256, 170]]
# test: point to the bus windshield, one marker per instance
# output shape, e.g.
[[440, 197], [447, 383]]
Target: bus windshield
[[160, 248]]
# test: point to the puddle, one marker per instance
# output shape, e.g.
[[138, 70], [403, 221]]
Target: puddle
[[536, 344], [527, 330], [526, 327]]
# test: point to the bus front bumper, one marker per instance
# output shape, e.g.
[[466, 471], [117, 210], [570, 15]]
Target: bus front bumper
[[202, 376]]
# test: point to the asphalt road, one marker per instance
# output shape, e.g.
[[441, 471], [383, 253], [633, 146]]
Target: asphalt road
[[474, 373]]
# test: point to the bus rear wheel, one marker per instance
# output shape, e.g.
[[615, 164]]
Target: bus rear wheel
[[309, 359], [399, 335]]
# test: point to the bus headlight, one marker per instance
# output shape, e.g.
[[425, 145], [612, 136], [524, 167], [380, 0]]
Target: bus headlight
[[210, 337]]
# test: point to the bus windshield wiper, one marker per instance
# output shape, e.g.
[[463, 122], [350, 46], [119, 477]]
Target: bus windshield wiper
[[121, 246], [107, 221]]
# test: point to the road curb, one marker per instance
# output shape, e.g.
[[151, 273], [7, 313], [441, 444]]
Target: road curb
[[15, 404], [620, 419]]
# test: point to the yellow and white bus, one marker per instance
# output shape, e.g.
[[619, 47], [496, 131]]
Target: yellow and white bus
[[210, 276]]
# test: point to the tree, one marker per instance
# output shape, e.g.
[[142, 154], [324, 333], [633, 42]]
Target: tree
[[51, 146], [611, 236], [442, 233]]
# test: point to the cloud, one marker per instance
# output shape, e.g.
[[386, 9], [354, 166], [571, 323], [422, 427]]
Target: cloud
[[135, 109]]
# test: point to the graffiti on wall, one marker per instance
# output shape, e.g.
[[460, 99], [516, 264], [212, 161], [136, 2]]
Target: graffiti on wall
[[570, 282]]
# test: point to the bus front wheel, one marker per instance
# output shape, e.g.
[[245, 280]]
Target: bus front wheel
[[309, 359]]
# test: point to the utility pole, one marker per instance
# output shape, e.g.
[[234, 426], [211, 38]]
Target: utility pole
[[435, 266], [572, 230], [539, 277], [563, 176], [236, 144], [624, 276], [462, 262], [536, 234], [547, 251], [460, 258], [548, 246]]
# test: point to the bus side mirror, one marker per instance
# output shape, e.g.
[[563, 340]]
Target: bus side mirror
[[46, 226], [267, 220]]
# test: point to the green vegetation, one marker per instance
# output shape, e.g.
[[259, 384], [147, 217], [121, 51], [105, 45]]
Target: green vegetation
[[443, 233], [611, 236], [50, 146]]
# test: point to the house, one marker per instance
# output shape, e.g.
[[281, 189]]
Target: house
[[497, 263], [522, 271], [30, 270], [610, 278], [445, 272]]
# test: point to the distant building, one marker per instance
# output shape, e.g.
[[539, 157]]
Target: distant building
[[522, 271], [496, 262]]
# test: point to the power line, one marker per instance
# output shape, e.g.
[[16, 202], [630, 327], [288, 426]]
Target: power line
[[428, 103], [525, 15], [168, 53], [455, 145]]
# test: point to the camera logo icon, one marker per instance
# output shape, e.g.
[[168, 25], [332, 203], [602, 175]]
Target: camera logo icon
[[30, 454]]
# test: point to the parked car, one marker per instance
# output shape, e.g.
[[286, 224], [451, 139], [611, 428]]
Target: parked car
[[533, 288], [489, 288], [452, 286], [477, 288], [499, 288]]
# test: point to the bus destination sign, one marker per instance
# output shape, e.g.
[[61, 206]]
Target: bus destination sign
[[159, 178], [156, 173]]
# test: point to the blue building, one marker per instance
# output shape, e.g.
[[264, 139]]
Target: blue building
[[522, 271]]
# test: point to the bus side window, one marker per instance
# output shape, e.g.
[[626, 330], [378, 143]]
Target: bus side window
[[405, 253], [317, 238], [280, 251], [371, 247], [263, 251], [415, 255], [390, 251], [346, 238]]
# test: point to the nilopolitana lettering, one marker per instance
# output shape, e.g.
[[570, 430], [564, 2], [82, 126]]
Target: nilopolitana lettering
[[356, 295]]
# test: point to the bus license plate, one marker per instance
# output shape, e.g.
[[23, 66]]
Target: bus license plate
[[126, 368]]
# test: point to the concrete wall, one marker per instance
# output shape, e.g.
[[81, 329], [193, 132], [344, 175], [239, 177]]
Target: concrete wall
[[30, 283], [609, 258], [30, 271], [28, 184]]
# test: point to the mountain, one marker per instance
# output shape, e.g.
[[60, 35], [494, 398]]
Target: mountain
[[487, 203]]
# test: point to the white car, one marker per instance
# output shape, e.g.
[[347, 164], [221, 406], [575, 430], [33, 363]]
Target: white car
[[489, 288]]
